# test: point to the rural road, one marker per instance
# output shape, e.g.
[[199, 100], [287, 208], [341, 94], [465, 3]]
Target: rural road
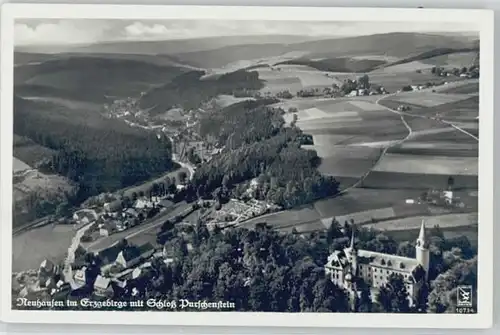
[[384, 151], [393, 144], [451, 124]]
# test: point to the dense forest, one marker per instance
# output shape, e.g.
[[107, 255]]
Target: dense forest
[[264, 270], [91, 78], [258, 145], [189, 90], [98, 154]]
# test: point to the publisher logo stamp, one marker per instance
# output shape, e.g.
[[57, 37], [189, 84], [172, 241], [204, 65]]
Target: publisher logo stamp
[[464, 296]]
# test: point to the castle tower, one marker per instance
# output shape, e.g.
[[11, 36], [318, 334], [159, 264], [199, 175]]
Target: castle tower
[[353, 255], [422, 250]]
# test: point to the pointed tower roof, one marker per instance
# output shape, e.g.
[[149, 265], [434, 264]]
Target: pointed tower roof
[[352, 246], [421, 235]]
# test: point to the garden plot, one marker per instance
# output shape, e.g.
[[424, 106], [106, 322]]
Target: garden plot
[[428, 164]]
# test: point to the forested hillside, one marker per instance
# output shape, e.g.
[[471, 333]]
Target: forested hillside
[[97, 153], [190, 90], [258, 145]]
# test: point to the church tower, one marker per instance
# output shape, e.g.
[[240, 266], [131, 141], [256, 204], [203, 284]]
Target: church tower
[[422, 250]]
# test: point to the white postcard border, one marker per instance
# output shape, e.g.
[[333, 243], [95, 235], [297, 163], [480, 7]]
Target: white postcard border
[[484, 20]]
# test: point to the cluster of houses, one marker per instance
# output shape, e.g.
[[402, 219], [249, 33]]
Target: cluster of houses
[[116, 218], [47, 280], [118, 271], [466, 73], [118, 266]]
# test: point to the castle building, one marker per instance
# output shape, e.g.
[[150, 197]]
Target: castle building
[[346, 267]]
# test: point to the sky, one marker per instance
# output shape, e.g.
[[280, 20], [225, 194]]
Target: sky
[[87, 31]]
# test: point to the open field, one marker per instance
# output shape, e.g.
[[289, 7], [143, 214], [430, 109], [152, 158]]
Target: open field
[[453, 60], [444, 148], [285, 218], [428, 164], [416, 181], [465, 109], [429, 99], [395, 80], [18, 165], [29, 152], [471, 232], [360, 199], [362, 217], [443, 221], [445, 136], [35, 182], [469, 88], [227, 100], [381, 130], [51, 242], [406, 67], [304, 228], [346, 161]]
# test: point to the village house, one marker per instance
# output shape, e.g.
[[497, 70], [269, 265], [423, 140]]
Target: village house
[[60, 290], [80, 278], [108, 228], [46, 270], [142, 204], [84, 217], [113, 206], [103, 287], [165, 203], [130, 213], [132, 255], [108, 256]]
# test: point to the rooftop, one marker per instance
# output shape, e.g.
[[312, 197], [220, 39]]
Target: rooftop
[[102, 282]]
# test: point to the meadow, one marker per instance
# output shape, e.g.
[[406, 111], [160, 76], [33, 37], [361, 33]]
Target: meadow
[[445, 165], [417, 181]]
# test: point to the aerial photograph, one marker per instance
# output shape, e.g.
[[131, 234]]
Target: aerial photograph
[[245, 166]]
